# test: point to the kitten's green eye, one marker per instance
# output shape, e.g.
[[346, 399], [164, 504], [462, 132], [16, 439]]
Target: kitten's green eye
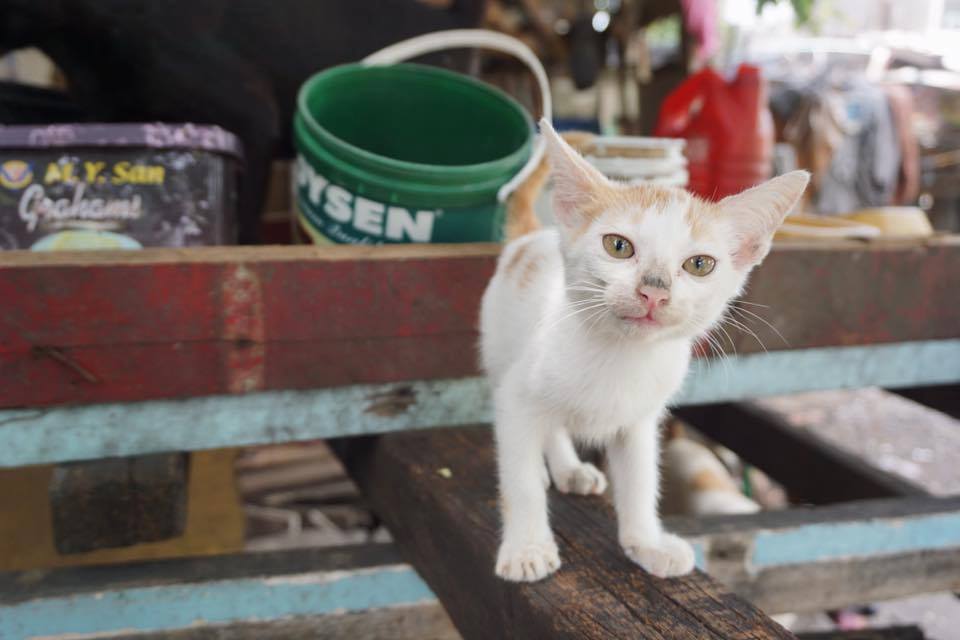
[[617, 246], [699, 265]]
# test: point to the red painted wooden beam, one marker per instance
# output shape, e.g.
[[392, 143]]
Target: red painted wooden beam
[[168, 323]]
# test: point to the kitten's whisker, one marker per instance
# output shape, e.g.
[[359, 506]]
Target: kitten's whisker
[[761, 319], [733, 345], [595, 317], [585, 283], [598, 292], [585, 305], [721, 356], [754, 304], [745, 329], [571, 303], [717, 351], [724, 361], [570, 315]]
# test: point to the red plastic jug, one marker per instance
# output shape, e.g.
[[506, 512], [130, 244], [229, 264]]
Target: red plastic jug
[[728, 128]]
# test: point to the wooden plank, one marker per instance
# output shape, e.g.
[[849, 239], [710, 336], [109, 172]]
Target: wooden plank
[[910, 632], [820, 587], [215, 519], [399, 622], [178, 594], [417, 623], [845, 293], [598, 593], [319, 314], [78, 327], [943, 398], [34, 436], [782, 372], [118, 502], [813, 471], [811, 559]]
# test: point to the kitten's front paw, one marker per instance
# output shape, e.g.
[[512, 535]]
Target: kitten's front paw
[[670, 556], [527, 562], [583, 480]]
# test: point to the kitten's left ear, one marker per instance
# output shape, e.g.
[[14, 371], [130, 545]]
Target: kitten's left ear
[[755, 214]]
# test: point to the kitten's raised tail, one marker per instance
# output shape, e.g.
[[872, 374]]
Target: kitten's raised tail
[[521, 213]]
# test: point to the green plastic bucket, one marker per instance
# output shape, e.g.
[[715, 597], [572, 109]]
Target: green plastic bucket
[[406, 153]]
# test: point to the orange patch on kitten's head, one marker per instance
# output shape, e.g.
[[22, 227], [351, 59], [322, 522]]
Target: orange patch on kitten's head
[[699, 215], [631, 201]]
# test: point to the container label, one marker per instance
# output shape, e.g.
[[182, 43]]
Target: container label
[[58, 196], [112, 197], [345, 217]]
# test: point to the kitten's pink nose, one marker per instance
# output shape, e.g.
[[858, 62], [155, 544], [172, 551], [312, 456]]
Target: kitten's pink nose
[[653, 296]]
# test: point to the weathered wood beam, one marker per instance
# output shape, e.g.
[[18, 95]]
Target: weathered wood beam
[[425, 621], [415, 622], [910, 632], [436, 492], [812, 470], [55, 434], [812, 559], [170, 323], [204, 593]]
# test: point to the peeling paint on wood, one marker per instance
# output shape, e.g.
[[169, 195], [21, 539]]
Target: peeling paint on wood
[[393, 402], [242, 304]]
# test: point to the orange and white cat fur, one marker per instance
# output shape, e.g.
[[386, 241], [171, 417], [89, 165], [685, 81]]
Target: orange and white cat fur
[[695, 482], [586, 334]]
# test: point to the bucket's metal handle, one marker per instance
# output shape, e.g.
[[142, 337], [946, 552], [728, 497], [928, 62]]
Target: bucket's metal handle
[[485, 39]]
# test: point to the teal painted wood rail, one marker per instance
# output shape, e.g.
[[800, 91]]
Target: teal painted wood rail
[[58, 434]]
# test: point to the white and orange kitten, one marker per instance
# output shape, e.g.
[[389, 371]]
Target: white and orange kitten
[[587, 332]]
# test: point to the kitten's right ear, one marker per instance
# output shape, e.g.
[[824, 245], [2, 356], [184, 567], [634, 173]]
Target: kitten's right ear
[[575, 181]]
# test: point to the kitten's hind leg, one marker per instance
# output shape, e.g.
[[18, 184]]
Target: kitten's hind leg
[[528, 551], [569, 473]]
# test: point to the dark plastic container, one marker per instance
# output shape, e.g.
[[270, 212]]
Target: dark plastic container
[[117, 186]]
